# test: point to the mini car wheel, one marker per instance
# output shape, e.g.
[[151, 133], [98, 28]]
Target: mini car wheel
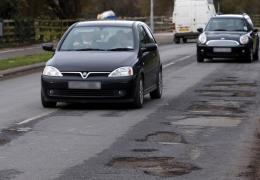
[[157, 94], [256, 55], [47, 104], [251, 56], [200, 58], [139, 94]]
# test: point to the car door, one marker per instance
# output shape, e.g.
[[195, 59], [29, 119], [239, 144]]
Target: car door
[[155, 56], [146, 58], [254, 35]]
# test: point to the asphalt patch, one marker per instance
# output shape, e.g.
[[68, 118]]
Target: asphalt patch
[[155, 166]]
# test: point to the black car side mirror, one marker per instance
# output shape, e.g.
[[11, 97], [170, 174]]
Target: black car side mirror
[[149, 47], [48, 47], [200, 30]]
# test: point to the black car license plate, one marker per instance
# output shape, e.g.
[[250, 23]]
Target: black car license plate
[[84, 85], [223, 50]]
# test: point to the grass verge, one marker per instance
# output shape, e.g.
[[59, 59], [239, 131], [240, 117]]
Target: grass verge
[[24, 60]]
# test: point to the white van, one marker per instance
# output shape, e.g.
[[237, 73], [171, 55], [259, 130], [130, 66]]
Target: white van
[[189, 15]]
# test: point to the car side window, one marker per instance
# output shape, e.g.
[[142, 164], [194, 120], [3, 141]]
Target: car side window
[[150, 35], [144, 38]]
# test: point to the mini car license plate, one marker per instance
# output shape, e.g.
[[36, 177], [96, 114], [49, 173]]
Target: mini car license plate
[[225, 50], [84, 85]]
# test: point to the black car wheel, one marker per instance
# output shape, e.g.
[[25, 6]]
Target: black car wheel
[[251, 56], [157, 94], [47, 104], [184, 40], [256, 55], [139, 93], [200, 58]]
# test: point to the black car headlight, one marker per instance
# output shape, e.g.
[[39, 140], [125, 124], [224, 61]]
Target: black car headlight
[[202, 38], [51, 71], [244, 39], [122, 72]]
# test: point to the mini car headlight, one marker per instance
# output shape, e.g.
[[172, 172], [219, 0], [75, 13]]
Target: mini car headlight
[[202, 38], [244, 39], [51, 71], [121, 72]]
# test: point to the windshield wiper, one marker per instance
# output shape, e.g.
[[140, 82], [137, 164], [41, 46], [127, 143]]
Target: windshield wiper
[[219, 30], [90, 49], [120, 49]]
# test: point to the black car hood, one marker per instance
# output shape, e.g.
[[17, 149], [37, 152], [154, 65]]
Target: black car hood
[[91, 61], [224, 35]]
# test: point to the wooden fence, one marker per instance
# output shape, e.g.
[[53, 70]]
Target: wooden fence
[[52, 30]]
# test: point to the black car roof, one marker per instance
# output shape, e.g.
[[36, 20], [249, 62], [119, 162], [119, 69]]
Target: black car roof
[[230, 16], [107, 23]]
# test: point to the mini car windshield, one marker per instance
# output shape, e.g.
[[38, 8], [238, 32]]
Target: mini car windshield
[[227, 24], [99, 38]]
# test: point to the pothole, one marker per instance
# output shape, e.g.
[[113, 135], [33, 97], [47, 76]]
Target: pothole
[[210, 121], [226, 93], [4, 141], [230, 84], [156, 166], [163, 137], [145, 150], [214, 108]]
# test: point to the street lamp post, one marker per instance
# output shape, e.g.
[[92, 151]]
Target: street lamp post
[[152, 16]]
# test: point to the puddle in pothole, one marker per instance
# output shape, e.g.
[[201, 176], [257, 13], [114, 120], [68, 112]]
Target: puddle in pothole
[[156, 166], [163, 137], [210, 121]]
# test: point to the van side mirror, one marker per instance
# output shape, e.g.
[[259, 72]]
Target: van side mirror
[[200, 30], [149, 47], [48, 47]]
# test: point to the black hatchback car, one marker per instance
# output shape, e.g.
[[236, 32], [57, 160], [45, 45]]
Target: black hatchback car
[[228, 36], [103, 61]]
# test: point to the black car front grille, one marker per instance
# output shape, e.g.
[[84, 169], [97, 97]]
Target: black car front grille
[[85, 93], [90, 75]]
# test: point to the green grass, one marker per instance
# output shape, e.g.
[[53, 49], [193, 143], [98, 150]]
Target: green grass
[[24, 60]]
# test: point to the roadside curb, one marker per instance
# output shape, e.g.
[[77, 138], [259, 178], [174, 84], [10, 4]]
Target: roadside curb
[[20, 70]]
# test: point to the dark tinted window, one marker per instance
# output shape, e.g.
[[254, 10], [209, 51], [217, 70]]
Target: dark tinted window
[[144, 37], [227, 24]]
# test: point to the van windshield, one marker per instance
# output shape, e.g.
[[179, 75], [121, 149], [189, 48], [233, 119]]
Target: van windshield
[[227, 24]]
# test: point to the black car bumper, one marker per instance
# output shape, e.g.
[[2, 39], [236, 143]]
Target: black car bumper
[[56, 89], [215, 52], [189, 35]]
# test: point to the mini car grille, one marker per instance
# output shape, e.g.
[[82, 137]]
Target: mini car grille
[[222, 43], [88, 75], [84, 93]]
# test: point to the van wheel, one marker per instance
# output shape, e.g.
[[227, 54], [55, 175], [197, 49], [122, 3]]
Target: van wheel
[[47, 104], [177, 40], [200, 58], [157, 94], [184, 40], [139, 94]]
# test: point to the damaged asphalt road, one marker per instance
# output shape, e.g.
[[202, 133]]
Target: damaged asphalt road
[[204, 128]]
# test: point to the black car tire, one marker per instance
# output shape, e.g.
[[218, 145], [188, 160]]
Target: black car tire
[[177, 40], [139, 93], [200, 58], [184, 40], [47, 104], [256, 55], [251, 56], [157, 94]]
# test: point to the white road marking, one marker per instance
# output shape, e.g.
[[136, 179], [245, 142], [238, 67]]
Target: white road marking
[[172, 63], [19, 49], [35, 118]]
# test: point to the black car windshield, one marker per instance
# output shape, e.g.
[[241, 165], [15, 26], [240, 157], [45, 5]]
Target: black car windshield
[[226, 24], [99, 38]]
